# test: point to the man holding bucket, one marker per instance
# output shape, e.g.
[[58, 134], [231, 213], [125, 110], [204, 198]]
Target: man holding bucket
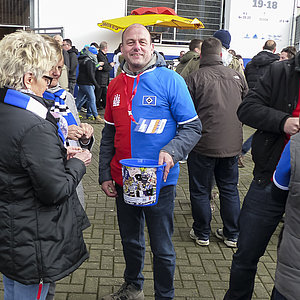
[[149, 115]]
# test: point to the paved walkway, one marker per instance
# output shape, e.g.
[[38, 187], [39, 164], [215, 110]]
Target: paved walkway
[[201, 272]]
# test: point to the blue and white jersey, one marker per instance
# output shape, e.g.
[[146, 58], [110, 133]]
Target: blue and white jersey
[[282, 174]]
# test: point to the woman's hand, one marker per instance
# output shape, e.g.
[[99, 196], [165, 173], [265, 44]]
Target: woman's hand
[[75, 132], [71, 151], [85, 156]]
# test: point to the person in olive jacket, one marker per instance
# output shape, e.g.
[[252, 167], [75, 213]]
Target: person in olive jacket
[[41, 219]]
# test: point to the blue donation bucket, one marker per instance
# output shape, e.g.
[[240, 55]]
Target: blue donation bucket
[[141, 181]]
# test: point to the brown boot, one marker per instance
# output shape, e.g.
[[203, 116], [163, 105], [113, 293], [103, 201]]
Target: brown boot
[[99, 120]]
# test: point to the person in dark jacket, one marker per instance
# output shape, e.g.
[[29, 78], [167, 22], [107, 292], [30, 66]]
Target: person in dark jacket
[[41, 219], [260, 62], [255, 69], [86, 81], [73, 63], [102, 75], [272, 108], [217, 91]]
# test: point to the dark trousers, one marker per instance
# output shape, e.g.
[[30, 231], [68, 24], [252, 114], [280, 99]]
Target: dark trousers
[[101, 96], [258, 220], [159, 219], [202, 169], [277, 296]]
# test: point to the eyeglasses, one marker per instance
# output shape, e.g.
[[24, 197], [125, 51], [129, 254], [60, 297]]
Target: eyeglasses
[[48, 79]]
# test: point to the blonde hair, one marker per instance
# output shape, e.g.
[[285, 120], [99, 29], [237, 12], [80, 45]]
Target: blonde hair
[[22, 52], [56, 48]]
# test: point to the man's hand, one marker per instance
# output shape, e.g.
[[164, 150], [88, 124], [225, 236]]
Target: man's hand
[[109, 188], [88, 131], [165, 157], [74, 132], [291, 126]]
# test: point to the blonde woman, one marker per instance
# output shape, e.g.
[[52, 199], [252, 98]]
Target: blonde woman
[[41, 219]]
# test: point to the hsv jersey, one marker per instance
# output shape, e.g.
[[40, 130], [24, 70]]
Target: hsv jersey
[[282, 174], [160, 102]]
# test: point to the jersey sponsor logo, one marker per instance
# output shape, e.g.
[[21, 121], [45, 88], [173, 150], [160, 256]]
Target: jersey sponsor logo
[[116, 100], [149, 100], [150, 126]]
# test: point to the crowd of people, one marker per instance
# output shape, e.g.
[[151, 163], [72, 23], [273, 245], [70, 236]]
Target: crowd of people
[[150, 112]]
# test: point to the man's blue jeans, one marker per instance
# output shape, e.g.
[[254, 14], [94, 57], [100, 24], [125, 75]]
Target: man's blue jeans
[[258, 220], [86, 93], [159, 219], [14, 290], [247, 145], [201, 171]]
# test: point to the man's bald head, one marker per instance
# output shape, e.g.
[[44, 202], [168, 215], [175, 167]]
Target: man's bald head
[[270, 45], [135, 26]]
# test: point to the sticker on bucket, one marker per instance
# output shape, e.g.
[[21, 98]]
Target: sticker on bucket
[[141, 181]]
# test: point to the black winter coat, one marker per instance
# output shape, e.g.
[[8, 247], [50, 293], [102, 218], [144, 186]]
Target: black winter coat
[[41, 219], [266, 108], [258, 66], [87, 70], [73, 53], [102, 76]]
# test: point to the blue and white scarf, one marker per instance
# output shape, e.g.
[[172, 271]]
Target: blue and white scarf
[[60, 105], [24, 101], [18, 99]]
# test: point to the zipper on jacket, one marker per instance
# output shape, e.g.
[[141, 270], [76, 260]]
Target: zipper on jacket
[[40, 289]]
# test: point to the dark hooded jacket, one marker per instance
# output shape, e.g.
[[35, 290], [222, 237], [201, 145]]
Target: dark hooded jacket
[[41, 219], [266, 108], [87, 71], [258, 66], [73, 61], [102, 76]]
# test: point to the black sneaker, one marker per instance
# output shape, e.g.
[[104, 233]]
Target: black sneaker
[[231, 243], [127, 291]]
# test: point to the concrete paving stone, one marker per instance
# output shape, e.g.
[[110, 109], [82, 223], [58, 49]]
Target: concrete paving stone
[[216, 285], [100, 273], [106, 262], [214, 256], [204, 289], [91, 285], [59, 296], [184, 262], [195, 260], [182, 293], [190, 269], [74, 288], [202, 276], [84, 296], [260, 290], [209, 266], [78, 277]]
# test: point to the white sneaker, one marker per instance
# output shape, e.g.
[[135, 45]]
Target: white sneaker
[[198, 241], [231, 243]]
